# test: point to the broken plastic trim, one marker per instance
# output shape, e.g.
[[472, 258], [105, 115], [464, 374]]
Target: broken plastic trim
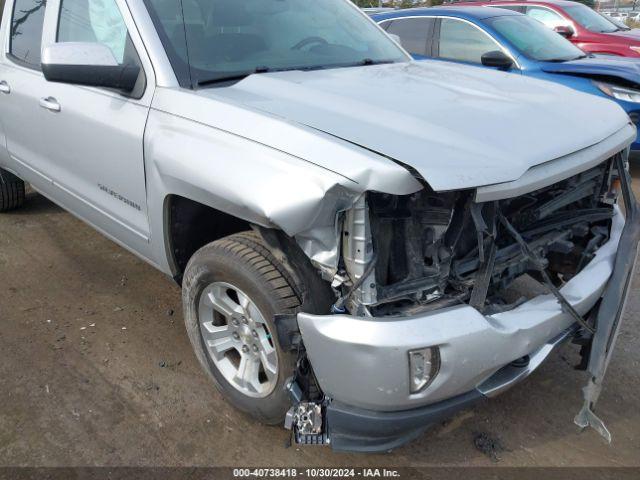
[[531, 255], [437, 249], [306, 418], [483, 275], [612, 307], [340, 303]]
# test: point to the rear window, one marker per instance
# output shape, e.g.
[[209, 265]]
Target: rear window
[[26, 32]]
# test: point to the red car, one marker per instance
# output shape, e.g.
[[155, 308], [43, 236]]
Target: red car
[[588, 29]]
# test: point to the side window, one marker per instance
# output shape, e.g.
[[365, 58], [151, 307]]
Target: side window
[[550, 18], [463, 42], [96, 21], [26, 32], [384, 25], [413, 33]]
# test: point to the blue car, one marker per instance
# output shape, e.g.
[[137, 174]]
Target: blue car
[[507, 40]]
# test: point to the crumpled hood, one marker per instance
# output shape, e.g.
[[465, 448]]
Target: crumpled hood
[[458, 126], [624, 68]]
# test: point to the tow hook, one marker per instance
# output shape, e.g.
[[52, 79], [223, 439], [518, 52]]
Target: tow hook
[[306, 419]]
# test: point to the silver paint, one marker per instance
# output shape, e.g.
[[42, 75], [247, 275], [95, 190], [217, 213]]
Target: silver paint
[[78, 53], [292, 150], [458, 126], [510, 375], [236, 326], [548, 173], [357, 250], [473, 347]]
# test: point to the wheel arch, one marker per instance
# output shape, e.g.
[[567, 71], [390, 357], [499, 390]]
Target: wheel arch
[[190, 225]]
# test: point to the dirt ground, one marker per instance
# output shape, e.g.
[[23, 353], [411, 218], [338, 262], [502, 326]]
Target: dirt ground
[[96, 369]]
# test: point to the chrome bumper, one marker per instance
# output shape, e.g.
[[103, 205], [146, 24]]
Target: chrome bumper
[[363, 362]]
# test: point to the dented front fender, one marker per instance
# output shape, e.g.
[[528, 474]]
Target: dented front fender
[[193, 154]]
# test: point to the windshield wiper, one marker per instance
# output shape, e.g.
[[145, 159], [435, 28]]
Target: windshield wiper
[[361, 63], [237, 76], [233, 77], [369, 61], [579, 57]]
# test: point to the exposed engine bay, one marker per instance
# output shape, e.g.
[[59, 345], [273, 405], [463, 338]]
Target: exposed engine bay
[[405, 258], [408, 254]]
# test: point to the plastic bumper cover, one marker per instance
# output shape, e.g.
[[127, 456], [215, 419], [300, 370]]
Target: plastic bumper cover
[[362, 363], [357, 429]]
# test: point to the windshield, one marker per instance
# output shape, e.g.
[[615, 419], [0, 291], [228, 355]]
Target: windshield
[[214, 40], [590, 19], [534, 40], [616, 22]]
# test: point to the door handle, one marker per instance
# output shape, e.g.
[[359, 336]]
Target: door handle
[[4, 87], [50, 103]]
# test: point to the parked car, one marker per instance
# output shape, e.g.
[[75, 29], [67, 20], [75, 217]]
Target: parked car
[[346, 224], [586, 28], [510, 41], [372, 10], [620, 15], [617, 22]]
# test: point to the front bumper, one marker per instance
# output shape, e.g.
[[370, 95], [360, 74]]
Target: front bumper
[[362, 363], [358, 429]]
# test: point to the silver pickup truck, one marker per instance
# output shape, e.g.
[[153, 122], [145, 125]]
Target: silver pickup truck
[[365, 244]]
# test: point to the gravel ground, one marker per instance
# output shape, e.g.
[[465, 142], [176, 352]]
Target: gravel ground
[[97, 370]]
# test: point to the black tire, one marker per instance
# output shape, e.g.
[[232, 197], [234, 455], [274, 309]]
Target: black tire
[[244, 261], [12, 191]]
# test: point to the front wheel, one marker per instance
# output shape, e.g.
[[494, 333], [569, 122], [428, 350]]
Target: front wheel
[[12, 191], [232, 289]]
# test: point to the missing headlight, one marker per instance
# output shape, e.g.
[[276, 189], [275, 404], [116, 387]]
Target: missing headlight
[[429, 250]]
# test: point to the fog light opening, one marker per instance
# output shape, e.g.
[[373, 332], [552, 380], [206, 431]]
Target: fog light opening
[[424, 364]]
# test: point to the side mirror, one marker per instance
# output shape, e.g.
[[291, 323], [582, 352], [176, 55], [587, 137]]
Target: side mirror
[[565, 30], [497, 59], [90, 64]]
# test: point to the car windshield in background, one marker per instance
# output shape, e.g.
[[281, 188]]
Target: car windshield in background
[[590, 19], [535, 40], [210, 41], [618, 23]]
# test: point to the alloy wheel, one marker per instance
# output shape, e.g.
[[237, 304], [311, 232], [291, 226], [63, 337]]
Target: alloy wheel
[[238, 339]]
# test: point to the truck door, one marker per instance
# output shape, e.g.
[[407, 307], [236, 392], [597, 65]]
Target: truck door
[[20, 78], [89, 141], [4, 153]]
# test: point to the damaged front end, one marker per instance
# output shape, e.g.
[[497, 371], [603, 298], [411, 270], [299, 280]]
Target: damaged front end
[[445, 277], [430, 250]]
